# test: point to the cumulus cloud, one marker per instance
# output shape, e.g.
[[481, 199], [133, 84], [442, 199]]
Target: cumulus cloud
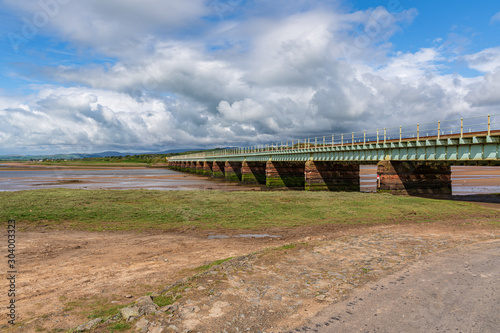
[[487, 60], [114, 27], [251, 79]]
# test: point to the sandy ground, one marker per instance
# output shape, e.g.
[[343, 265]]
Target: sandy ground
[[455, 291], [57, 268]]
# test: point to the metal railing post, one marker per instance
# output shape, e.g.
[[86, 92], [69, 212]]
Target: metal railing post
[[439, 129], [461, 127], [385, 135], [364, 137], [489, 126], [418, 132], [352, 143], [400, 133], [342, 140], [377, 135], [333, 140]]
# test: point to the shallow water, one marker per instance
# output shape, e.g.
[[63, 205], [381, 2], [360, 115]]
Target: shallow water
[[108, 178], [465, 179]]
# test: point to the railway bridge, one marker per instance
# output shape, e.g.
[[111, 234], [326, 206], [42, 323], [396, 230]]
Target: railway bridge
[[414, 160]]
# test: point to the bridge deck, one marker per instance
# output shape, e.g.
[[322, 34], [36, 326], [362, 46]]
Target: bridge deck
[[466, 148]]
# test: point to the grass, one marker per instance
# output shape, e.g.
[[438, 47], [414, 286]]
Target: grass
[[94, 307], [163, 300], [119, 327], [286, 247], [212, 264], [100, 210]]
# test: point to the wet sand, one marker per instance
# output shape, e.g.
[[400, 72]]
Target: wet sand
[[466, 180], [18, 176]]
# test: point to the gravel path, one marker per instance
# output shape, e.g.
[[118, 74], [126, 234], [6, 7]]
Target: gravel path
[[279, 290], [455, 291]]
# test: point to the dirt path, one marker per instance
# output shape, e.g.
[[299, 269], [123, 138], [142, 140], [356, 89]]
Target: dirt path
[[457, 290], [57, 268], [65, 275]]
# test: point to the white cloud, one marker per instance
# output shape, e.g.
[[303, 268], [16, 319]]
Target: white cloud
[[263, 78], [495, 19], [112, 27], [487, 60]]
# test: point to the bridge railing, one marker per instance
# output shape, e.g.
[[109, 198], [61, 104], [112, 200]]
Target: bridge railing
[[460, 127]]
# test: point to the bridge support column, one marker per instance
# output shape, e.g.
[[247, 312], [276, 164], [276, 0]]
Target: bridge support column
[[184, 166], [199, 168], [253, 172], [232, 171], [414, 178], [207, 168], [192, 167], [285, 174], [331, 176], [218, 169]]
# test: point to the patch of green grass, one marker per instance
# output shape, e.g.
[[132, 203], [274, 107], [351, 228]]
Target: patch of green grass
[[119, 327], [93, 307], [105, 311], [286, 247], [163, 300], [101, 210], [212, 264]]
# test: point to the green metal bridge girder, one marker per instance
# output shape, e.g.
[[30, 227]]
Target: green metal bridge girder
[[470, 150]]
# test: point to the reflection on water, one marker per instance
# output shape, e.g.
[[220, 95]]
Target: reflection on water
[[465, 179]]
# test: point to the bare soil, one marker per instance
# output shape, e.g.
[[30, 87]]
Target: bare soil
[[65, 275]]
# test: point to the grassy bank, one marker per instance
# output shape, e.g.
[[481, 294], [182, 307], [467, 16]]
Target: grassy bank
[[162, 210]]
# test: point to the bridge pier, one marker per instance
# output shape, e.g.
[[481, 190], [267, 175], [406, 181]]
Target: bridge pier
[[253, 172], [199, 168], [331, 176], [207, 168], [232, 171], [218, 169], [192, 167], [285, 174], [414, 178]]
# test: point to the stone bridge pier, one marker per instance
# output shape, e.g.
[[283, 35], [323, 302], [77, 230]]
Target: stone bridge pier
[[414, 178], [199, 168], [207, 168], [331, 176], [218, 169], [253, 173], [192, 167], [232, 171], [285, 174]]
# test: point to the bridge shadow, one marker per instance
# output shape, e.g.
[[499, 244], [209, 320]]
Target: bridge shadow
[[258, 170], [484, 198], [345, 180]]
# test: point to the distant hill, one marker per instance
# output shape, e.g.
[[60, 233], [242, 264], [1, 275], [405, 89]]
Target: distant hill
[[75, 156]]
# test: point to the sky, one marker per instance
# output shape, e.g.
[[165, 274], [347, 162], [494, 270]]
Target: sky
[[152, 75]]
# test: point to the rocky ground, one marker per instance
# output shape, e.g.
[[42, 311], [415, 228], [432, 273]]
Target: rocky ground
[[273, 284]]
